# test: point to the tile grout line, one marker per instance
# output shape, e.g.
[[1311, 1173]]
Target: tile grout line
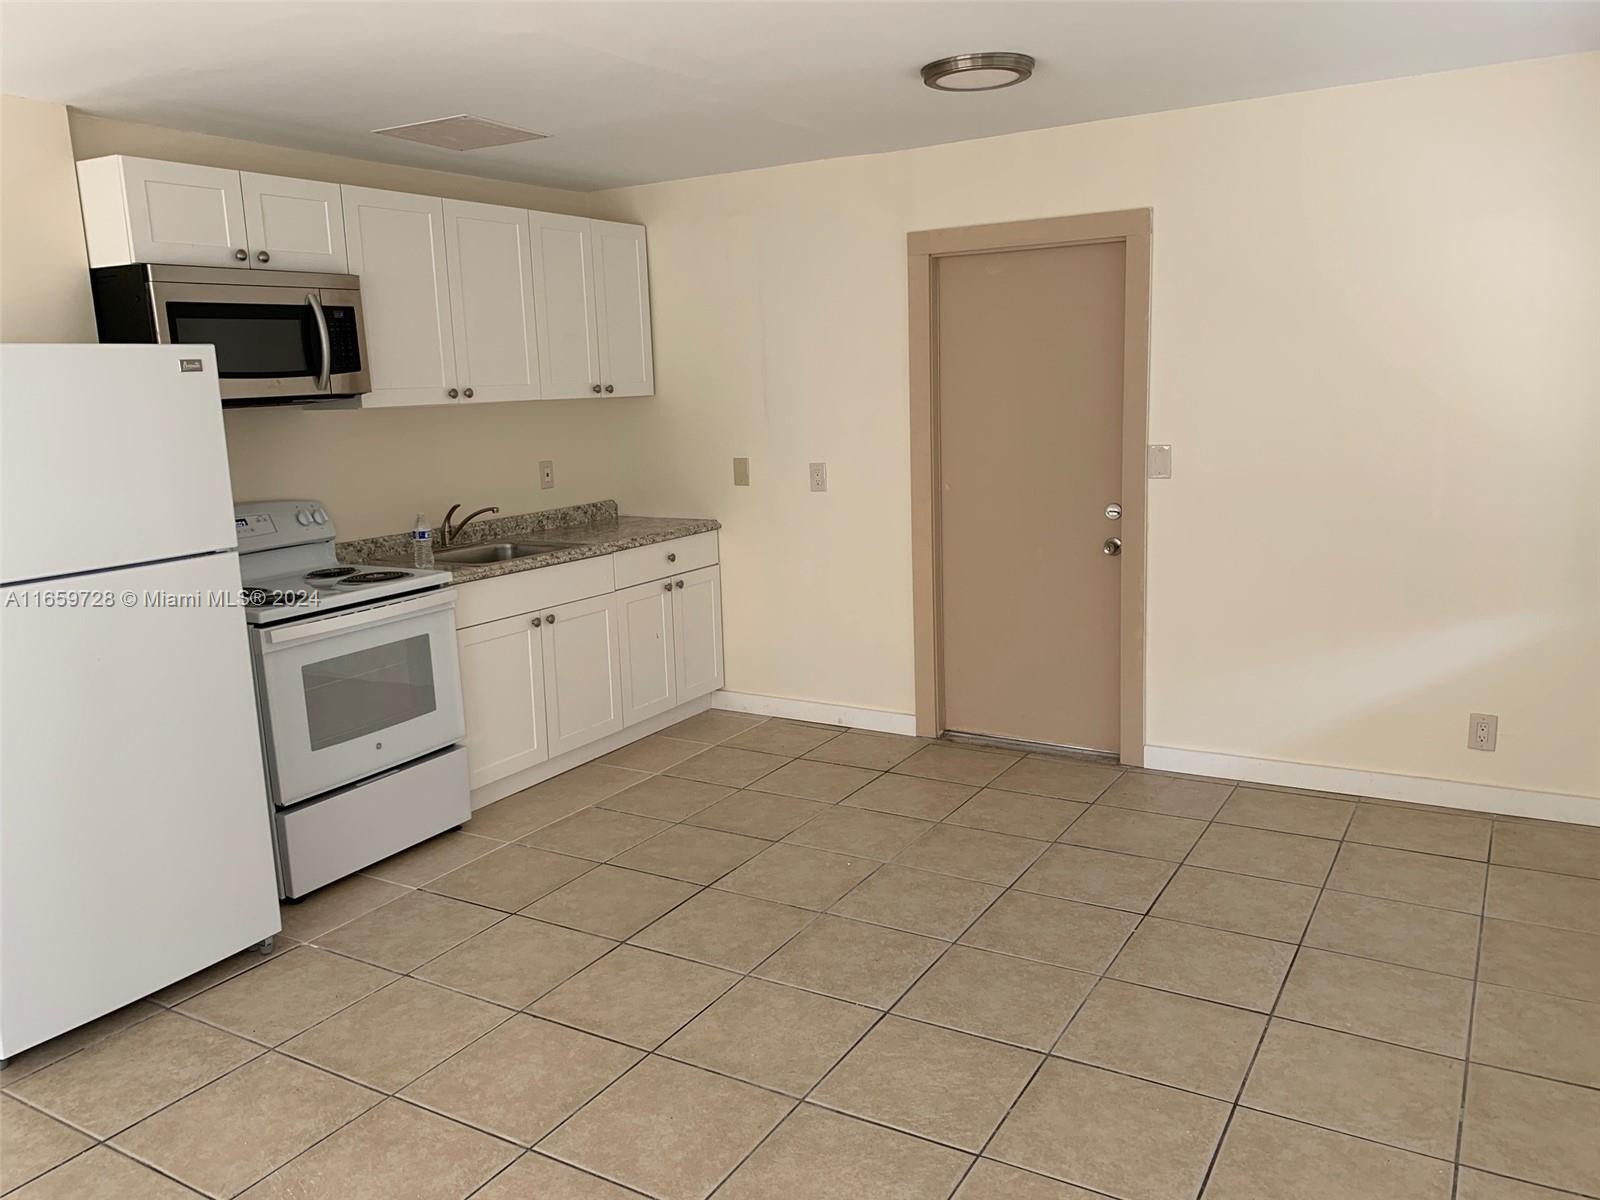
[[1472, 1016]]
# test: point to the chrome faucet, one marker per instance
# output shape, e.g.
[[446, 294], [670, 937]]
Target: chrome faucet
[[448, 535]]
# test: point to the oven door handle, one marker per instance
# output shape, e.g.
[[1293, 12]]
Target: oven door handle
[[325, 376], [364, 618]]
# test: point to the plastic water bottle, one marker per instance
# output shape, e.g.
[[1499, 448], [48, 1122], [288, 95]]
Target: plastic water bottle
[[421, 544]]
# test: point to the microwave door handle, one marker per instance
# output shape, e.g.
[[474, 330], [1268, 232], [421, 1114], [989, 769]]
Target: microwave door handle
[[325, 376]]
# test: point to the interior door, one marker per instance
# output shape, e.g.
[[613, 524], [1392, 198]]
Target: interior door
[[294, 224], [622, 306], [697, 628], [582, 673], [1029, 350], [396, 244], [491, 301], [503, 695], [563, 283], [181, 213], [649, 654]]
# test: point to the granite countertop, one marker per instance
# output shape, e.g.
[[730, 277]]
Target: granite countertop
[[580, 531]]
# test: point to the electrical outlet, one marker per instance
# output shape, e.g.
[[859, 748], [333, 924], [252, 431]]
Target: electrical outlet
[[741, 472], [1483, 730], [819, 477], [547, 474]]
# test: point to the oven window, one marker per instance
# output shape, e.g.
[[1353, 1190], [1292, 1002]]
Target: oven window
[[368, 691], [253, 341]]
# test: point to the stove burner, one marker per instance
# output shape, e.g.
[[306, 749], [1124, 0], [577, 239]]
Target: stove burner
[[331, 572], [375, 577]]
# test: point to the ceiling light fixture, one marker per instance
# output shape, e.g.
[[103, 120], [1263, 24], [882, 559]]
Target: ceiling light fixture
[[461, 133], [978, 72]]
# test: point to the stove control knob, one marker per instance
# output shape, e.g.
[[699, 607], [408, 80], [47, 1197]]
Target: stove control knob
[[302, 516], [320, 517]]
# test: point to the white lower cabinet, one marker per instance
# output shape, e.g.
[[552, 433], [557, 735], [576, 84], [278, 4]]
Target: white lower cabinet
[[582, 673], [697, 624], [542, 683], [503, 695], [649, 656]]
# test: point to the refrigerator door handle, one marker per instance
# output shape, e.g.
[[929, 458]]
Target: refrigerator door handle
[[325, 375]]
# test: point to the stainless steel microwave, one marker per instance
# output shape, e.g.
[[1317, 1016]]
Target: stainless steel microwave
[[281, 337]]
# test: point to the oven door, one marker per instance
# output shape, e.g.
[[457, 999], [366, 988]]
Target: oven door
[[273, 343], [354, 693]]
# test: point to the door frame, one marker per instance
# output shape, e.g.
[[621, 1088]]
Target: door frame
[[1133, 228]]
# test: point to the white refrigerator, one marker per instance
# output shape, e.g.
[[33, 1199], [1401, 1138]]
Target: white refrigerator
[[134, 838]]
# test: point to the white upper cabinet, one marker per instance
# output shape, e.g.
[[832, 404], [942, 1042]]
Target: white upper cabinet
[[293, 224], [144, 210], [397, 247], [622, 307], [491, 301], [563, 281]]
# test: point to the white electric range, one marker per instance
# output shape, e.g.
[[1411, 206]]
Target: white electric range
[[359, 695]]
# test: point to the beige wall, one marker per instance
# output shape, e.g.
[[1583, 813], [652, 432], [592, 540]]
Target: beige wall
[[1374, 354], [44, 270], [376, 469]]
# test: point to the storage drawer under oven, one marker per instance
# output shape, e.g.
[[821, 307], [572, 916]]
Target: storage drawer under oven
[[356, 692]]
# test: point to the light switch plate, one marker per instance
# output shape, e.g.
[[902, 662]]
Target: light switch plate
[[741, 472], [547, 474], [1158, 462], [819, 477]]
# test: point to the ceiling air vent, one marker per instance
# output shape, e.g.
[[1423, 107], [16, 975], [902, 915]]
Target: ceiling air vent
[[461, 133]]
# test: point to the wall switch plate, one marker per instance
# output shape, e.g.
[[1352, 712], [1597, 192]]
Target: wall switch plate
[[819, 477], [547, 474], [1158, 462], [741, 472], [1483, 730]]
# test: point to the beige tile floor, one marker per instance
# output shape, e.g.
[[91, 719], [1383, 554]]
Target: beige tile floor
[[763, 959]]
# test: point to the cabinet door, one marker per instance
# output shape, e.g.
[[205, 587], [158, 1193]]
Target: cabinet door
[[294, 224], [582, 673], [491, 301], [649, 654], [396, 244], [503, 694], [622, 307], [563, 289], [697, 624], [178, 213]]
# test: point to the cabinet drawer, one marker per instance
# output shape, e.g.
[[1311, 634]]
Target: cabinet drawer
[[665, 558], [524, 591]]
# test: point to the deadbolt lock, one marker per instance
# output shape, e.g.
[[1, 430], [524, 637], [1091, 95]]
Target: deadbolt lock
[[1114, 512]]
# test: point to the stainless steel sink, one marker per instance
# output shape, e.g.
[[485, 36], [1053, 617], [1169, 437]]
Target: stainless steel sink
[[492, 552]]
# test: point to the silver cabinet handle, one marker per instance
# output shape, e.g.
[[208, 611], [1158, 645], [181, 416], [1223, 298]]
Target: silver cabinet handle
[[551, 619], [263, 256], [325, 377], [537, 622], [242, 255], [595, 388], [672, 557], [609, 388], [452, 393], [678, 583], [666, 587], [467, 393], [1112, 546]]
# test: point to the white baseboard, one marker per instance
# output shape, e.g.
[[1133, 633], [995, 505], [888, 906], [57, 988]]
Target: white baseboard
[[816, 711], [1445, 793]]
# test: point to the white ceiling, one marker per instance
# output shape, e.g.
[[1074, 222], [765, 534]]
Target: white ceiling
[[642, 91]]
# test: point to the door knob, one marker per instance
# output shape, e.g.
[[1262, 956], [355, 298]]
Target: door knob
[[1113, 511], [241, 255], [1112, 546], [263, 256]]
